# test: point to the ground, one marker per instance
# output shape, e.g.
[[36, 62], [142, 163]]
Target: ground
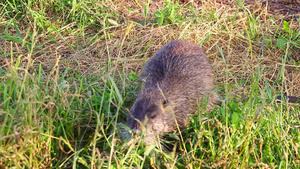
[[68, 72]]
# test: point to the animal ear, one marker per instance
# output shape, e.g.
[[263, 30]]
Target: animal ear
[[165, 102]]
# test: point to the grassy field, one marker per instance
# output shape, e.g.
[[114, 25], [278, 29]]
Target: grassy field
[[68, 75]]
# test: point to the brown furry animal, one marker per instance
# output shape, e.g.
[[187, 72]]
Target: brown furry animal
[[176, 79]]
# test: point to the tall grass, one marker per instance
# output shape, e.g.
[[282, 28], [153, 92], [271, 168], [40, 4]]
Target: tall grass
[[69, 70]]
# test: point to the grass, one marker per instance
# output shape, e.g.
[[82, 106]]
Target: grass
[[69, 71]]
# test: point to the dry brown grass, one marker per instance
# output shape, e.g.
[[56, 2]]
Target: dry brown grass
[[127, 46], [125, 50]]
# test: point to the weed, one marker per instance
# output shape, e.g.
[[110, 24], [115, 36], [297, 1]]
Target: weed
[[69, 71]]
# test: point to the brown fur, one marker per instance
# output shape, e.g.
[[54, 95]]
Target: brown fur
[[175, 80]]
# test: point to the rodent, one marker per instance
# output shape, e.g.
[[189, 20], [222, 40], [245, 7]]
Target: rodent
[[175, 80]]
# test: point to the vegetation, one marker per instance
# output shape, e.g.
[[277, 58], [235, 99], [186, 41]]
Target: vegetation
[[68, 75]]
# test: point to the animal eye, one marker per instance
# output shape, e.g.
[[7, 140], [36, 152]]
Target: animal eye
[[152, 116], [165, 102]]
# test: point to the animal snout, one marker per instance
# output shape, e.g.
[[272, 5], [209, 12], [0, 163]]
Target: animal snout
[[136, 130]]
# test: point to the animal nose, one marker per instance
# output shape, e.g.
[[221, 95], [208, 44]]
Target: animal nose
[[136, 130]]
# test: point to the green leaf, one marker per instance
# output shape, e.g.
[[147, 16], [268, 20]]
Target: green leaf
[[160, 17], [235, 118], [174, 136], [281, 42], [286, 26], [132, 75], [149, 149]]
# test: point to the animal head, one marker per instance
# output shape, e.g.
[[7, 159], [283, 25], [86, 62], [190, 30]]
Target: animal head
[[152, 113]]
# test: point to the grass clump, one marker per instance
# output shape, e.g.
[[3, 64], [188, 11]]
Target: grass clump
[[68, 75]]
